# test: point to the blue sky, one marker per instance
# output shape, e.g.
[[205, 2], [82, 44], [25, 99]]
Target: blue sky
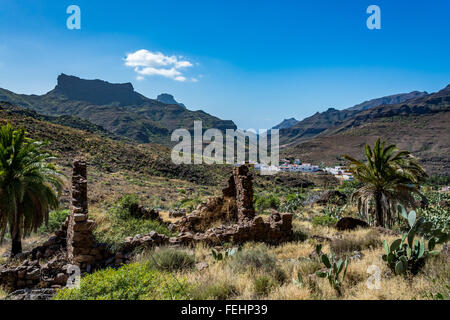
[[254, 62]]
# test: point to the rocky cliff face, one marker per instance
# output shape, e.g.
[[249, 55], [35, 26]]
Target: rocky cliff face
[[168, 99], [97, 92]]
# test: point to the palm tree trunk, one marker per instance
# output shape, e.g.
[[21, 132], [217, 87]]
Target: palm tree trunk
[[16, 233], [378, 211], [16, 247]]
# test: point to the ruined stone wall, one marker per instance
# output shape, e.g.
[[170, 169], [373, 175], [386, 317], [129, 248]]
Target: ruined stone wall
[[235, 211], [214, 210], [275, 230], [235, 204], [243, 182], [82, 249]]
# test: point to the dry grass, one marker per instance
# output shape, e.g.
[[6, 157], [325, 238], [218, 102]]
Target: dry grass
[[165, 216], [357, 240], [3, 294], [103, 220], [220, 281], [292, 250]]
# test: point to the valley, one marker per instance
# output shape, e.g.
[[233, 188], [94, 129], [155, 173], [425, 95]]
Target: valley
[[256, 236]]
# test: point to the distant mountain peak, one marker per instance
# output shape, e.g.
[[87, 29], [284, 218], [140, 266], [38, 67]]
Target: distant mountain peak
[[286, 123], [392, 99], [96, 91], [168, 99]]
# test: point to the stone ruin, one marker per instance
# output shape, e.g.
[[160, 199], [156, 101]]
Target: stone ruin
[[229, 218], [234, 206], [82, 249]]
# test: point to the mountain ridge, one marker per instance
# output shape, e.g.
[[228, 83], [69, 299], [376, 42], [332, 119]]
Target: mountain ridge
[[116, 107], [286, 123], [391, 99], [419, 125], [321, 121]]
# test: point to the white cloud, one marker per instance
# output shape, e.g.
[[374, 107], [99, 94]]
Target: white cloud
[[180, 78], [147, 63], [183, 64]]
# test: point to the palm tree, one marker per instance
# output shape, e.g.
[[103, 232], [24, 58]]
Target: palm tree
[[29, 185], [390, 177]]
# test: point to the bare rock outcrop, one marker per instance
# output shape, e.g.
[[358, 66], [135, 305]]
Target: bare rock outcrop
[[176, 213], [349, 223]]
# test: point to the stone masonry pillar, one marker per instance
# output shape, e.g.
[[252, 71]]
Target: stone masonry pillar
[[81, 245], [244, 193]]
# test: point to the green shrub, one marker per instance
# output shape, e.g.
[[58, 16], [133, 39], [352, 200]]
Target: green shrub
[[322, 220], [329, 216], [334, 211], [349, 186], [55, 220], [134, 281], [293, 202], [212, 291], [299, 235], [169, 259], [189, 204], [127, 207], [128, 228], [127, 221], [265, 202], [263, 284], [257, 259]]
